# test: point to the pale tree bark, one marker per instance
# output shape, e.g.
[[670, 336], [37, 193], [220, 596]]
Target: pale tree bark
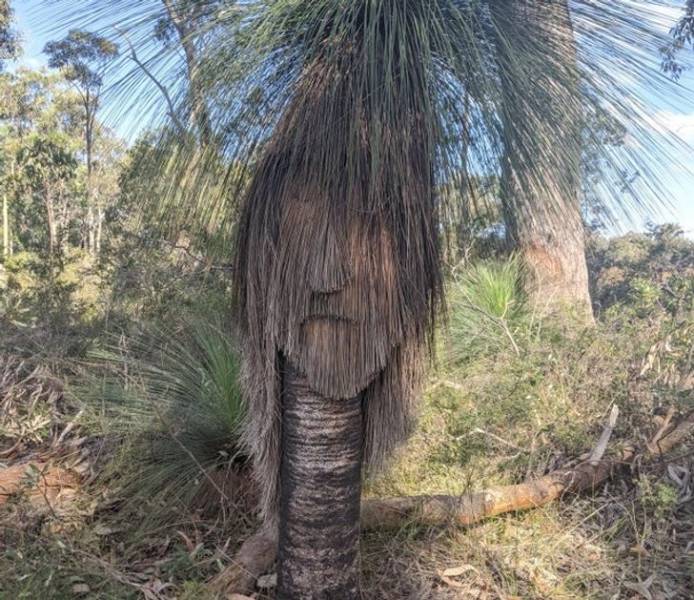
[[541, 178], [320, 493], [51, 222], [99, 228], [5, 226], [6, 234], [90, 107], [90, 230], [183, 24], [63, 223]]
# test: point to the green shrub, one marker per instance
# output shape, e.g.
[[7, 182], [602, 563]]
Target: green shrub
[[638, 275], [487, 309], [172, 398]]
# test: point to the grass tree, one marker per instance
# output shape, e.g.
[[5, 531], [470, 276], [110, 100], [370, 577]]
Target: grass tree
[[338, 267], [338, 273], [347, 126]]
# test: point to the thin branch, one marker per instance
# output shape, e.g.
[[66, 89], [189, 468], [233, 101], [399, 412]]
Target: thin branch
[[601, 447], [500, 322], [653, 444], [154, 80]]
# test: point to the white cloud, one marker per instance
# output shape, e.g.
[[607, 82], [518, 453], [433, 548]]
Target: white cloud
[[681, 124]]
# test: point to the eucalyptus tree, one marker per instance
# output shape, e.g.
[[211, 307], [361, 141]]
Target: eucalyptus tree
[[83, 57], [9, 47], [352, 125], [9, 41], [186, 22], [47, 168], [25, 96], [41, 116]]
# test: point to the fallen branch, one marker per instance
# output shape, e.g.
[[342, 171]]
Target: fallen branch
[[258, 553], [390, 513]]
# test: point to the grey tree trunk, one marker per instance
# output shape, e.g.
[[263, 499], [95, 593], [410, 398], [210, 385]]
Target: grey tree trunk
[[99, 229], [91, 230], [320, 493], [541, 178], [52, 226], [5, 226], [90, 106], [199, 113]]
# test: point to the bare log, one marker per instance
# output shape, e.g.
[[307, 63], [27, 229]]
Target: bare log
[[465, 510]]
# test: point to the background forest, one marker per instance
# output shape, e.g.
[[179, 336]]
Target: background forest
[[122, 473]]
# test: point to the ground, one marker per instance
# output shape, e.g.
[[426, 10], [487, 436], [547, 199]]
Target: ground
[[102, 507]]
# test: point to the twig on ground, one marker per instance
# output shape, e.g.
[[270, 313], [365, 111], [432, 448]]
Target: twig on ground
[[601, 447], [495, 437], [653, 444]]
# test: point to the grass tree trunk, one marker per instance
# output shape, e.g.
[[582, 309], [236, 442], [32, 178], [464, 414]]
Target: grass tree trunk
[[320, 493], [541, 179]]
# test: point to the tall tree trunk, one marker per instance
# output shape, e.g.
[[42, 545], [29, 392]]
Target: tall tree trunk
[[185, 26], [50, 219], [5, 226], [63, 225], [320, 493], [99, 228], [90, 111], [91, 243], [541, 177], [6, 237]]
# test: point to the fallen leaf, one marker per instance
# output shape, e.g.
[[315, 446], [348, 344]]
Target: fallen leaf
[[266, 582], [638, 550], [80, 589], [448, 574], [458, 571], [102, 530]]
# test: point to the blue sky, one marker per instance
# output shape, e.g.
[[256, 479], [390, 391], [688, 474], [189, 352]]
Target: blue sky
[[674, 114]]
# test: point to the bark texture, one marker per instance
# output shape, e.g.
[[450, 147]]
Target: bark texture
[[320, 493], [541, 179], [5, 226]]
